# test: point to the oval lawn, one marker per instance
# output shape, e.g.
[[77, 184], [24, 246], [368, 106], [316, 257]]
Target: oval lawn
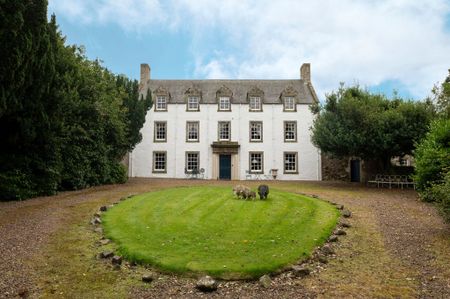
[[208, 230]]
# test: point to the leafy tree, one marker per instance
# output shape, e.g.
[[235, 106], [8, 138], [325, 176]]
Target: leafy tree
[[432, 173], [355, 122], [441, 97]]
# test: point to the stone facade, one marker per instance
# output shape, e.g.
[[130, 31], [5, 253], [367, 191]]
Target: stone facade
[[339, 169], [335, 169]]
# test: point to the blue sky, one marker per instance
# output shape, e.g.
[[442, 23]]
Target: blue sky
[[382, 45]]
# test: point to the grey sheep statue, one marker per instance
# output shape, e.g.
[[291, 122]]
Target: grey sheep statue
[[244, 192], [263, 191]]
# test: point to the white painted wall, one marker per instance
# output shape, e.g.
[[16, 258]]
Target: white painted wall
[[273, 144]]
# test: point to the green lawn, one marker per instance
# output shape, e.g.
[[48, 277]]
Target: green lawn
[[207, 230]]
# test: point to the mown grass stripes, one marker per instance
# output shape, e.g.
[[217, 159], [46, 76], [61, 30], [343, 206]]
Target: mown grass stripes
[[207, 230]]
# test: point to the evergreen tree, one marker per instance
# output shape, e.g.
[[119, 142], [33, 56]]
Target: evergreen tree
[[29, 153], [65, 121]]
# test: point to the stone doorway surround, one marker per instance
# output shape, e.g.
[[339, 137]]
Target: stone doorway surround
[[229, 148]]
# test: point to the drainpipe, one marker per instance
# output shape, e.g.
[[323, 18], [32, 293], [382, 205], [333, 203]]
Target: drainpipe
[[130, 165], [273, 137], [175, 139]]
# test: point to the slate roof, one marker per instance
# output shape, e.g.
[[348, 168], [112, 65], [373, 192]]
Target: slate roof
[[272, 90]]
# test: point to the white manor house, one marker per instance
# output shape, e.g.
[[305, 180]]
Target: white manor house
[[227, 129]]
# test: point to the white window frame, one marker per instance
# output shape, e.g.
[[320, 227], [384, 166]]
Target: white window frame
[[287, 162], [161, 103], [255, 104], [224, 104], [193, 103], [294, 127], [157, 155], [157, 131], [192, 125], [253, 129], [289, 104], [220, 130], [256, 162], [192, 158]]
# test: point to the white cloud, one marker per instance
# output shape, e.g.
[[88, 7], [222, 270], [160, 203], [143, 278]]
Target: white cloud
[[346, 40], [212, 70], [131, 15]]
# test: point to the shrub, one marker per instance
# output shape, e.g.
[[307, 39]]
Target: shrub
[[433, 166], [440, 193], [433, 155], [16, 185]]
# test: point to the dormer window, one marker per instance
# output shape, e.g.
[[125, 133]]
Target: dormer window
[[224, 104], [289, 98], [289, 104], [255, 104], [223, 97], [162, 96], [161, 103], [255, 98], [193, 104]]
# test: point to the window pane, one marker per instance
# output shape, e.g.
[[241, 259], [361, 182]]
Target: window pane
[[289, 103], [192, 131], [255, 131], [161, 103], [290, 164], [160, 129], [224, 131], [192, 161], [256, 160], [290, 131], [160, 161], [255, 103], [224, 103], [193, 103]]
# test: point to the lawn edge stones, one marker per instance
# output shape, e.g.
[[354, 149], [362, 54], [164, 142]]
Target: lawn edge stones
[[206, 284], [346, 213], [149, 277], [340, 232], [106, 254], [345, 224], [333, 238], [96, 220], [300, 271], [265, 281], [116, 260]]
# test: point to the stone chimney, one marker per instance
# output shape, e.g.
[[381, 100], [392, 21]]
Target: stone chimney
[[305, 72], [145, 75]]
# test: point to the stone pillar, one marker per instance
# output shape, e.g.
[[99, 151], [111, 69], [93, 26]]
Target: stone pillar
[[235, 167], [305, 72], [215, 167]]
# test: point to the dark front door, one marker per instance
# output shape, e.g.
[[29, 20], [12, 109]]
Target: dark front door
[[225, 167], [355, 175]]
